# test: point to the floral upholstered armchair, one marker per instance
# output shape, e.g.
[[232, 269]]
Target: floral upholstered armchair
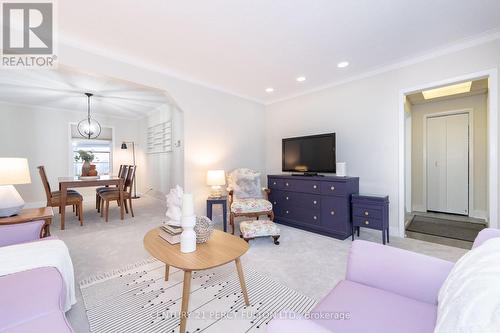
[[246, 197]]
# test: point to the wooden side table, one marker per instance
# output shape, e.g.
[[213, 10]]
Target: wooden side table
[[222, 248], [218, 201], [32, 214]]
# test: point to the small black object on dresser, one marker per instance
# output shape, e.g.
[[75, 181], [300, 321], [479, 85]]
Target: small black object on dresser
[[371, 211], [313, 203]]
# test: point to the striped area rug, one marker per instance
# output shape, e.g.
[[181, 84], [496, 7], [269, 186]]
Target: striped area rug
[[137, 299]]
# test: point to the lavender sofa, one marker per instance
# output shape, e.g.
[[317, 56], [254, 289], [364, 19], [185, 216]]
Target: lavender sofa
[[386, 290], [32, 300]]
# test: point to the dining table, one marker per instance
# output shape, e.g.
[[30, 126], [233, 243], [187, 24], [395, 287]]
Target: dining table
[[73, 182]]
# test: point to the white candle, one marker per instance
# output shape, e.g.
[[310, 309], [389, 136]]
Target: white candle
[[187, 205]]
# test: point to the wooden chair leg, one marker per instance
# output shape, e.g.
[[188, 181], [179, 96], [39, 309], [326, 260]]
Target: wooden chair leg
[[80, 208], [73, 208], [107, 210], [102, 207], [130, 203], [275, 239], [97, 203], [271, 215], [231, 222], [125, 206]]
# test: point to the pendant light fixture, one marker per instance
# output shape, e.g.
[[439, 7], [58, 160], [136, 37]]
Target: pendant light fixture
[[89, 128]]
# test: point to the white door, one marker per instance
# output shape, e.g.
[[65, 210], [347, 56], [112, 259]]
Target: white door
[[448, 164]]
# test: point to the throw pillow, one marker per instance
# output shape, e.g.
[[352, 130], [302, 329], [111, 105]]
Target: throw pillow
[[469, 300]]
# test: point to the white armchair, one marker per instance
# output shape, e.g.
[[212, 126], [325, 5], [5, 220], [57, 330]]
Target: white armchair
[[246, 196]]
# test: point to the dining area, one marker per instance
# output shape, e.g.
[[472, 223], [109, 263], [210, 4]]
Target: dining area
[[109, 189]]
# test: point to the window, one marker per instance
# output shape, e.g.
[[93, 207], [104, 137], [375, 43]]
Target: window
[[102, 150]]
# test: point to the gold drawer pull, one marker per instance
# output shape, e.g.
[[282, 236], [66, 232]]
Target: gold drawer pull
[[286, 198], [314, 217], [315, 202], [287, 212], [366, 213], [332, 188], [332, 212], [286, 184], [274, 183], [366, 222], [314, 186], [274, 202]]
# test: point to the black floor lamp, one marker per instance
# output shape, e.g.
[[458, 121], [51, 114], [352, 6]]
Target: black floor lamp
[[124, 146]]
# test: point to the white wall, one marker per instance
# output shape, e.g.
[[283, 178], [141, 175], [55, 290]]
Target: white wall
[[478, 104], [42, 136], [221, 131], [365, 115]]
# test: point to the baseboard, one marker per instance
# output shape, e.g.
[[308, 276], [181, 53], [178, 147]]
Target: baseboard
[[419, 208], [479, 214]]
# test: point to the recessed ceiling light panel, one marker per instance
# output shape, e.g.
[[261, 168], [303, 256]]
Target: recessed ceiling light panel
[[453, 89], [269, 90], [343, 64], [301, 79]]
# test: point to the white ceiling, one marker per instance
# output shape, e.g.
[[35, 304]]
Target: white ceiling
[[246, 46], [64, 89]]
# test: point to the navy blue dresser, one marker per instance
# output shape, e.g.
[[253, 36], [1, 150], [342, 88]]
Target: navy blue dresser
[[317, 204], [371, 211]]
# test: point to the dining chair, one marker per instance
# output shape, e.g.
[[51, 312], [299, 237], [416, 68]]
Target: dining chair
[[122, 173], [73, 198], [107, 196]]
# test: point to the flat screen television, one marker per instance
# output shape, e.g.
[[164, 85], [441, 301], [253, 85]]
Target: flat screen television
[[309, 154]]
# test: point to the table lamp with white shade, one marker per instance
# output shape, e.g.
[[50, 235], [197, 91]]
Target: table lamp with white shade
[[13, 171], [216, 179]]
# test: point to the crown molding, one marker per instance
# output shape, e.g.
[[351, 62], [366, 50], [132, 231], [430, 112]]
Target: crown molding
[[71, 42], [476, 40]]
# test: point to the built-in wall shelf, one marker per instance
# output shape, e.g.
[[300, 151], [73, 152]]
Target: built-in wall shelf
[[160, 138]]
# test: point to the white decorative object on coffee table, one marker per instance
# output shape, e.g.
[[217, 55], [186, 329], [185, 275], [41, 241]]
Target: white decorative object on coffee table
[[188, 236], [174, 206]]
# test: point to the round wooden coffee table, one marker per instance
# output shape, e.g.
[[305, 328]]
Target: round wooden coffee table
[[220, 249]]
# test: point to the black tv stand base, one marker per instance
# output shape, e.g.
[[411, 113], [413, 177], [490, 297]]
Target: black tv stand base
[[307, 174]]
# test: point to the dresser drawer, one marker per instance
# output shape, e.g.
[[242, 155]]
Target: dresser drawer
[[303, 200], [304, 186], [275, 183], [275, 197], [367, 222], [333, 188], [367, 212], [301, 215], [335, 213]]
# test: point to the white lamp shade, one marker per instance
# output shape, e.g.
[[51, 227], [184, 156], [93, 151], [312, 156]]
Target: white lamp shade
[[216, 178], [14, 171]]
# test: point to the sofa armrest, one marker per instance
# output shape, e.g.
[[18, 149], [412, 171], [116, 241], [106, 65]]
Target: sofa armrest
[[292, 323], [484, 235], [20, 233], [395, 270]]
